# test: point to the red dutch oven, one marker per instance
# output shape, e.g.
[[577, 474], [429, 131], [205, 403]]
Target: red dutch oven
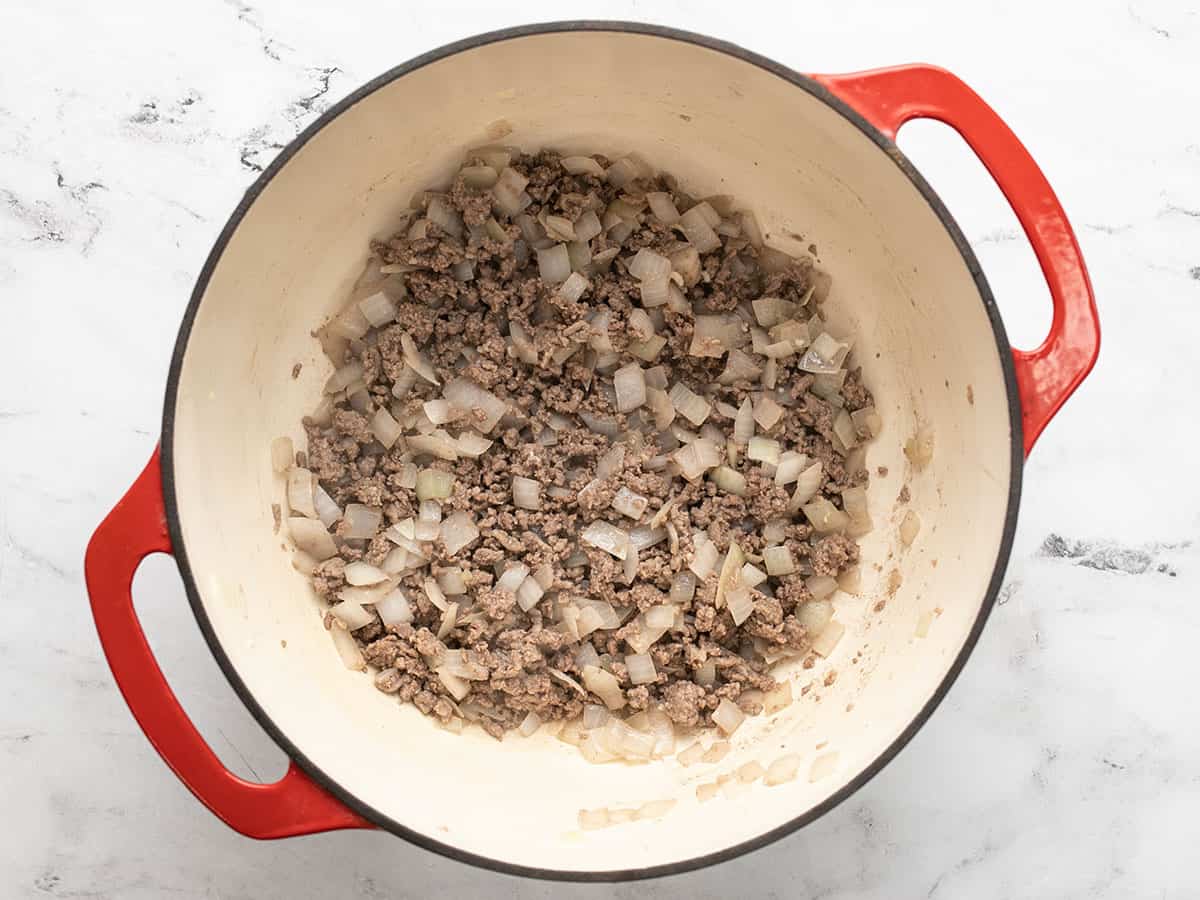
[[814, 156]]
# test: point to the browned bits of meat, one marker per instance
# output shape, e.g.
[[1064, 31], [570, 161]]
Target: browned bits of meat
[[471, 308]]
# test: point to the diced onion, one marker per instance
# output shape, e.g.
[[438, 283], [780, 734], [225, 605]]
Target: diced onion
[[688, 404], [351, 325], [554, 265], [361, 521], [867, 421], [310, 536], [683, 587], [640, 668], [512, 578], [394, 608], [663, 207], [509, 191], [351, 615], [704, 559], [828, 639], [752, 576], [361, 573], [814, 616], [706, 674], [611, 462], [458, 530], [715, 335], [587, 226], [821, 586], [300, 485], [347, 648], [767, 412], [416, 360], [437, 443], [527, 493], [807, 484], [451, 581], [605, 425], [449, 618], [661, 406], [621, 173], [378, 309], [662, 616], [782, 770], [604, 685], [655, 291], [698, 231], [529, 593], [630, 385], [778, 561], [825, 355], [581, 165], [529, 724], [727, 716], [729, 480], [789, 466], [628, 503], [434, 484], [648, 265], [740, 602], [824, 516], [607, 537], [743, 424], [739, 367], [765, 450], [283, 457], [385, 428], [458, 687]]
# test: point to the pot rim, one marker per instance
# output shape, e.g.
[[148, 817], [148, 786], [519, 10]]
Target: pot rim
[[293, 752]]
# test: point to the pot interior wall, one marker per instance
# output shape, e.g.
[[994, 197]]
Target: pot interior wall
[[722, 125]]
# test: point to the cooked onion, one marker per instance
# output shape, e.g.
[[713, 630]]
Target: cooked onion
[[604, 685], [300, 483], [283, 457], [727, 716], [688, 404], [698, 231], [529, 593], [361, 573], [347, 648], [740, 602], [640, 668], [824, 516], [715, 335], [527, 493], [828, 639], [385, 428], [451, 581], [437, 443], [458, 530], [628, 503], [611, 462], [663, 207], [394, 608], [378, 309], [630, 385], [778, 561], [554, 265], [607, 537], [704, 559], [416, 360], [731, 481], [587, 226], [766, 450], [351, 615], [767, 412], [821, 586], [581, 165], [361, 521], [825, 355], [683, 587], [434, 484]]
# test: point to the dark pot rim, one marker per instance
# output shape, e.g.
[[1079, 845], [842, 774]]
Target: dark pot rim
[[294, 752]]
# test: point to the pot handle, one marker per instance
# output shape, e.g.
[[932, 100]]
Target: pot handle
[[135, 528], [1047, 376]]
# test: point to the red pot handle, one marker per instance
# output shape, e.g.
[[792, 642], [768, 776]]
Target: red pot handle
[[1047, 376], [135, 528]]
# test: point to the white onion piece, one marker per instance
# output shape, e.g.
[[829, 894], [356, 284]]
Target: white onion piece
[[434, 484], [451, 581], [449, 618], [740, 602], [509, 191], [867, 421], [574, 287], [683, 587], [663, 207], [751, 576], [698, 231], [385, 428], [825, 355], [713, 336], [604, 685], [531, 723], [351, 615], [404, 383], [767, 412], [439, 412], [581, 165], [844, 430], [704, 559], [327, 511], [378, 309], [351, 325], [662, 616], [607, 537], [300, 492], [361, 573], [661, 406], [821, 586], [739, 367], [825, 517], [778, 561], [630, 567], [437, 443], [397, 561], [766, 450], [630, 386], [554, 264], [706, 673], [807, 484], [529, 593], [655, 291], [445, 216], [361, 521], [770, 311], [731, 481], [688, 404], [478, 178], [458, 687], [630, 504], [348, 650], [611, 462], [743, 424], [814, 616], [588, 620], [648, 265], [526, 493], [782, 770], [697, 458], [458, 530], [605, 425], [640, 668], [472, 445], [283, 456], [622, 172], [558, 228], [587, 226], [394, 608], [789, 466], [512, 578], [416, 360], [311, 537], [827, 641], [727, 716]]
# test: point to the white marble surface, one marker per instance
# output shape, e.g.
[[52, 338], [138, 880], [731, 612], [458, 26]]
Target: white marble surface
[[1066, 762]]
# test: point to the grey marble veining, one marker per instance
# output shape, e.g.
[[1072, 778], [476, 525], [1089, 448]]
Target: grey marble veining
[[1066, 761]]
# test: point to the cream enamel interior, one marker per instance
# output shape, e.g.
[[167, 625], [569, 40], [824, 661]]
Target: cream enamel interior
[[722, 125]]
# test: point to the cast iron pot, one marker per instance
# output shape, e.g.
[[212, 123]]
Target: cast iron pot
[[814, 156]]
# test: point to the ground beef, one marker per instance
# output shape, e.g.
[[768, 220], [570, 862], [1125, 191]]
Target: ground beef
[[471, 300]]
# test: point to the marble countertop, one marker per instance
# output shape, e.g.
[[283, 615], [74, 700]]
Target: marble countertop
[[1066, 761]]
